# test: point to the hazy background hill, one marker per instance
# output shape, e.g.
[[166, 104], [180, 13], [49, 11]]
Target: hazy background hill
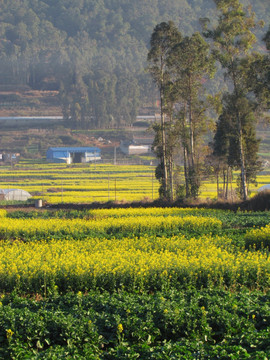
[[86, 59]]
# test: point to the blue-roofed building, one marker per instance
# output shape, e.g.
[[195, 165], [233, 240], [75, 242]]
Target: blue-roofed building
[[71, 155]]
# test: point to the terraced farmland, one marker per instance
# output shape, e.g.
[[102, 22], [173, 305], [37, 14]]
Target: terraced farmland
[[84, 183]]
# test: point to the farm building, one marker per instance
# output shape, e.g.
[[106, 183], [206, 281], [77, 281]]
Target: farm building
[[26, 121], [134, 149], [14, 194], [71, 155]]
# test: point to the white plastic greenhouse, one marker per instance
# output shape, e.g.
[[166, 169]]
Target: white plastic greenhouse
[[264, 188], [14, 194]]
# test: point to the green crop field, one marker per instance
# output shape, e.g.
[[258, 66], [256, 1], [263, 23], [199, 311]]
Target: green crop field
[[144, 283]]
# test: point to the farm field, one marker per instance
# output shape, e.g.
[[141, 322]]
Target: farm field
[[86, 183], [82, 183], [144, 283]]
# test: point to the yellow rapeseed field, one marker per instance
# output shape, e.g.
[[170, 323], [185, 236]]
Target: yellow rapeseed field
[[84, 183], [144, 263], [36, 228], [125, 248]]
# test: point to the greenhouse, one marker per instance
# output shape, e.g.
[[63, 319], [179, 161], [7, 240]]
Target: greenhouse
[[14, 194], [264, 188]]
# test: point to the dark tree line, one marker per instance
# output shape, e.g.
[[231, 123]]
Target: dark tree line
[[181, 66]]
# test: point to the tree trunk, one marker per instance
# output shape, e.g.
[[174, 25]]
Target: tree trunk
[[242, 159], [227, 184], [217, 184], [186, 171], [191, 132], [191, 137], [171, 177], [240, 137], [163, 139], [231, 178], [224, 183]]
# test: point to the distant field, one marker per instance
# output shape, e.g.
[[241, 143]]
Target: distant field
[[85, 183], [80, 183]]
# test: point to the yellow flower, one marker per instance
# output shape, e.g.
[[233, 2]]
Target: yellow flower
[[9, 333], [120, 328]]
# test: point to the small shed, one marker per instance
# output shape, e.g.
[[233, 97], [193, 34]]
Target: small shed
[[133, 149], [14, 194], [71, 155]]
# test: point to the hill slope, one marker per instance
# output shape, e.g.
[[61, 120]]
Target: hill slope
[[93, 52]]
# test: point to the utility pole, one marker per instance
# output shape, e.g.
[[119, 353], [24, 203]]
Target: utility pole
[[108, 187], [152, 185], [115, 155]]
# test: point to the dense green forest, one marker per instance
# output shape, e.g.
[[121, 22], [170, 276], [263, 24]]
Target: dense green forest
[[94, 51]]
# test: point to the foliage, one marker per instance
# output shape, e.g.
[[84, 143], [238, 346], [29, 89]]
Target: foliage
[[93, 52], [163, 39], [100, 325], [191, 65], [233, 41], [179, 65]]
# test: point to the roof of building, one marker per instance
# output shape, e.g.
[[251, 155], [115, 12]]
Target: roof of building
[[74, 149], [31, 118], [6, 191]]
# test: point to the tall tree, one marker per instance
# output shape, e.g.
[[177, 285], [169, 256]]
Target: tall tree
[[164, 37], [233, 40], [226, 142], [259, 75], [220, 152], [191, 64]]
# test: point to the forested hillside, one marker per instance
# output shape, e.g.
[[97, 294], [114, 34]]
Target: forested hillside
[[92, 51]]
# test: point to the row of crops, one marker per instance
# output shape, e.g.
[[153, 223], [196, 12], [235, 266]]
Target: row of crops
[[139, 283], [84, 183]]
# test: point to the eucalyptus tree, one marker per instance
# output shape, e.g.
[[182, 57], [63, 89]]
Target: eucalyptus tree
[[191, 64], [266, 71], [259, 75], [233, 40], [163, 38], [226, 142], [267, 39]]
